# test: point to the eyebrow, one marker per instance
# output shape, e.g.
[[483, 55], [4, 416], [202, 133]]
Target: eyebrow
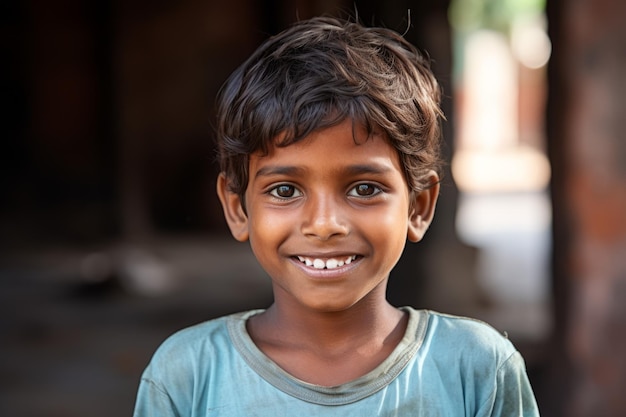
[[352, 170], [270, 170], [377, 169]]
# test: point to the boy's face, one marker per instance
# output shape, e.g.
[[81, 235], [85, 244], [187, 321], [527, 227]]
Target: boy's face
[[328, 218]]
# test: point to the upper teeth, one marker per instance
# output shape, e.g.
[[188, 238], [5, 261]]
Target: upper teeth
[[328, 264]]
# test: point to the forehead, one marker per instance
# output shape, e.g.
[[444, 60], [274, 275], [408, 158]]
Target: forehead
[[345, 146]]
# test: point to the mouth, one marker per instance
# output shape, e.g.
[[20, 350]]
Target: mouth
[[327, 263]]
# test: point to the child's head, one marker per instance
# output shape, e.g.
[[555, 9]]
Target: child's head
[[318, 73]]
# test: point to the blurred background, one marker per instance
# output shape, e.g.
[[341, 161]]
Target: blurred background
[[112, 238]]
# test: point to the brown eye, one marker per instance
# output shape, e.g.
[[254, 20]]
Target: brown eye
[[365, 190], [285, 191]]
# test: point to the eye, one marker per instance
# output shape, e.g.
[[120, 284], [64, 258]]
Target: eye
[[364, 190], [285, 191]]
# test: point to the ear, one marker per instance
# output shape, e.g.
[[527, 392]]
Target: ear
[[422, 209], [233, 209]]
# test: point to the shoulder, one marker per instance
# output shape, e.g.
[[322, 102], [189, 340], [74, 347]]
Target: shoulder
[[457, 327], [195, 337], [184, 366], [468, 339], [470, 357], [195, 346]]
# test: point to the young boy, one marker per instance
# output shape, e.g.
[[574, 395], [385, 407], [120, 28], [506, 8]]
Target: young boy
[[328, 141]]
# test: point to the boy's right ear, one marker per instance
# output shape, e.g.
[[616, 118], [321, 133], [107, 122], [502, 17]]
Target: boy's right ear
[[233, 209]]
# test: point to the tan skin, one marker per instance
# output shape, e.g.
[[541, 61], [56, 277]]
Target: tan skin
[[328, 219]]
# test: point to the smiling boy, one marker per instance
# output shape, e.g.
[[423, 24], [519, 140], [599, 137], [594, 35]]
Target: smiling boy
[[328, 139]]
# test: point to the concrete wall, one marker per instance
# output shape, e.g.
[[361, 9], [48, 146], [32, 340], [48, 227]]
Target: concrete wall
[[587, 139]]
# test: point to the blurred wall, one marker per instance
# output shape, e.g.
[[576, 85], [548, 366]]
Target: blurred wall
[[587, 140], [112, 136], [111, 103]]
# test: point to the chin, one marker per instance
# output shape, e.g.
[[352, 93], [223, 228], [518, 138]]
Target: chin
[[328, 306]]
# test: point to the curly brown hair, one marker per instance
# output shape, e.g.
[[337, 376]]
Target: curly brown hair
[[318, 73]]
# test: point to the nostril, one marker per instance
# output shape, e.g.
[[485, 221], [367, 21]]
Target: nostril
[[323, 218]]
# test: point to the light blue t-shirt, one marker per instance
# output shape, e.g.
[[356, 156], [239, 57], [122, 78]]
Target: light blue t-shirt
[[444, 366]]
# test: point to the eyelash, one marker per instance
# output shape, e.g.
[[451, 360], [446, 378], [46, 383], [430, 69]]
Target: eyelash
[[375, 190], [351, 192], [274, 191]]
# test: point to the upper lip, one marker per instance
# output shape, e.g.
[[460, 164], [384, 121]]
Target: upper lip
[[327, 255]]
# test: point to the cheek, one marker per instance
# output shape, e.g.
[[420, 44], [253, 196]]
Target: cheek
[[387, 227], [390, 216], [270, 228]]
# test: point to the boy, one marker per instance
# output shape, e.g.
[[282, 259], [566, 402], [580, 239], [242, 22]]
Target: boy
[[328, 141]]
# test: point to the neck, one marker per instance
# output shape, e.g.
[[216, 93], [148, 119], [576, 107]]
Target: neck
[[330, 331], [328, 348]]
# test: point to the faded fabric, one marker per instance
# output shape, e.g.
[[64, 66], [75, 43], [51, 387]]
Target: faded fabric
[[444, 366]]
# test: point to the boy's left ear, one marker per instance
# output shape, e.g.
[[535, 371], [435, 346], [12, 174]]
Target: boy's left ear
[[422, 209]]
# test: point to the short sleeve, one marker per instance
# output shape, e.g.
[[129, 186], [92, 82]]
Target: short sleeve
[[513, 395], [152, 401]]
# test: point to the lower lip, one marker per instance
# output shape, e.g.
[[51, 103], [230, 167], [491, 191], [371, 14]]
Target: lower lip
[[327, 274]]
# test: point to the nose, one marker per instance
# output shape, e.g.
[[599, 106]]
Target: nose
[[324, 217]]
